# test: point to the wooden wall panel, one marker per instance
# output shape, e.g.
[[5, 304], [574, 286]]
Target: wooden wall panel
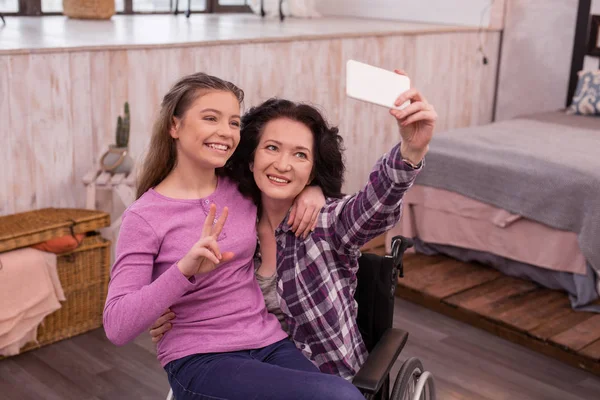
[[7, 170], [61, 109], [85, 147], [21, 165], [50, 129]]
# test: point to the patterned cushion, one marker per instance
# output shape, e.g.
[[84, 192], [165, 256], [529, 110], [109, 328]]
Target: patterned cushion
[[586, 100]]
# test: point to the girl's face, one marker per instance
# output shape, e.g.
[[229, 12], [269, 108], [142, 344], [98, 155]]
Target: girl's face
[[209, 131], [283, 161]]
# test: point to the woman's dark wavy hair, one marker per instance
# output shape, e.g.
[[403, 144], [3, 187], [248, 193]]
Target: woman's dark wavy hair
[[328, 164]]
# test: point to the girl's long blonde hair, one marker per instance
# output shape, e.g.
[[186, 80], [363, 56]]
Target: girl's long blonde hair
[[162, 154]]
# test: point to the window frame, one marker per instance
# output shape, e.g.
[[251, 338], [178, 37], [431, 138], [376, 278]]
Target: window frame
[[33, 8]]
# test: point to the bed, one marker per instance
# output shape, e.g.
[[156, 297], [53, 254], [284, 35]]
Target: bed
[[521, 195]]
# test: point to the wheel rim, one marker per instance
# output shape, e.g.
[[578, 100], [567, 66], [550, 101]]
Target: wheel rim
[[424, 387], [412, 383]]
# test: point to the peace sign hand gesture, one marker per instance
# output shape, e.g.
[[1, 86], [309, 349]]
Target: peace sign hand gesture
[[204, 256]]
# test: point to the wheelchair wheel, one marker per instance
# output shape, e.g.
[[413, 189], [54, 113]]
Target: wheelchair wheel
[[413, 382]]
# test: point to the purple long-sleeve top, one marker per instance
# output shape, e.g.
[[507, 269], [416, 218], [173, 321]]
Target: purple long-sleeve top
[[220, 311]]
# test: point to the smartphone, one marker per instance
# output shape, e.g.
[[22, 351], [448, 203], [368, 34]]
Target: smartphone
[[375, 85]]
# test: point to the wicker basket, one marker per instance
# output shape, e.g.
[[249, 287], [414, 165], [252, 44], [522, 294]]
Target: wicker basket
[[89, 9], [31, 227], [83, 272], [84, 275]]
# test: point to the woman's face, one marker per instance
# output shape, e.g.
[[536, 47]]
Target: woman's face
[[283, 161], [209, 131]]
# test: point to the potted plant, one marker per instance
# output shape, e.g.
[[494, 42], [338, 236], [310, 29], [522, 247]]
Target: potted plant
[[117, 159]]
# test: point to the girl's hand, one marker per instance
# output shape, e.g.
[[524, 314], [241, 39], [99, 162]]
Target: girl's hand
[[161, 326], [305, 210], [204, 256], [416, 123]]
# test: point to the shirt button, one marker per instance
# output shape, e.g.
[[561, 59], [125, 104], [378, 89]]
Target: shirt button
[[206, 201]]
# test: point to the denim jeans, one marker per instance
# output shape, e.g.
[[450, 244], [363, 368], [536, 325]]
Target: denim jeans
[[277, 371]]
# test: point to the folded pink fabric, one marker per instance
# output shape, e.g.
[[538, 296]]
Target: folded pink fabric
[[443, 217], [29, 291]]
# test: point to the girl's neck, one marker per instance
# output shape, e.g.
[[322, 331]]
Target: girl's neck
[[273, 212], [188, 182]]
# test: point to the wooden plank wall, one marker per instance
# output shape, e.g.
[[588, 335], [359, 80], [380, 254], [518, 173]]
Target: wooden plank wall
[[58, 110]]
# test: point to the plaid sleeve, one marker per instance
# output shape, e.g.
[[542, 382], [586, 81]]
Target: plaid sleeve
[[356, 219]]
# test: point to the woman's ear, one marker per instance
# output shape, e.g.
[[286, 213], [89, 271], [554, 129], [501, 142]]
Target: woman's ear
[[251, 166], [174, 130]]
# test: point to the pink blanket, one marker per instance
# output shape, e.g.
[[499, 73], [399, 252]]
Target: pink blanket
[[29, 291], [443, 217]]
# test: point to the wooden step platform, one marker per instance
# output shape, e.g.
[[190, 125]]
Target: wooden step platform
[[514, 309]]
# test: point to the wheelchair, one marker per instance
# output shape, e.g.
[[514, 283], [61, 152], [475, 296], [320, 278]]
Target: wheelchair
[[377, 279]]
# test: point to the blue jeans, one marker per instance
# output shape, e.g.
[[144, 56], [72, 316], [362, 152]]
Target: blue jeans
[[278, 371]]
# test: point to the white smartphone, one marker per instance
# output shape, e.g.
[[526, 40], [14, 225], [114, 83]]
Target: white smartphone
[[375, 85]]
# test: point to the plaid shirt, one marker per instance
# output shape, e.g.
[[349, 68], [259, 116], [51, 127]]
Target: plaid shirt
[[317, 276]]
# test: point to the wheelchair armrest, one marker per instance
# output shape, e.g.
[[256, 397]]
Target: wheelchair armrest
[[380, 361]]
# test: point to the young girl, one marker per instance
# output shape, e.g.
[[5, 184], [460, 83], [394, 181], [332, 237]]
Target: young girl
[[287, 146], [187, 244]]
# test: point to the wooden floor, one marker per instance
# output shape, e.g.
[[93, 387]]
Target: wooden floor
[[467, 362], [518, 310]]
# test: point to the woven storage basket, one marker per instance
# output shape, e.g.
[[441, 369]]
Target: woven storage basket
[[31, 227], [89, 9], [83, 272]]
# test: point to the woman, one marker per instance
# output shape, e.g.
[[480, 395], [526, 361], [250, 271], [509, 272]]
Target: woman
[[188, 243], [284, 147]]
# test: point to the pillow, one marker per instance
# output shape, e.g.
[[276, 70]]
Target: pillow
[[60, 244], [586, 100]]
